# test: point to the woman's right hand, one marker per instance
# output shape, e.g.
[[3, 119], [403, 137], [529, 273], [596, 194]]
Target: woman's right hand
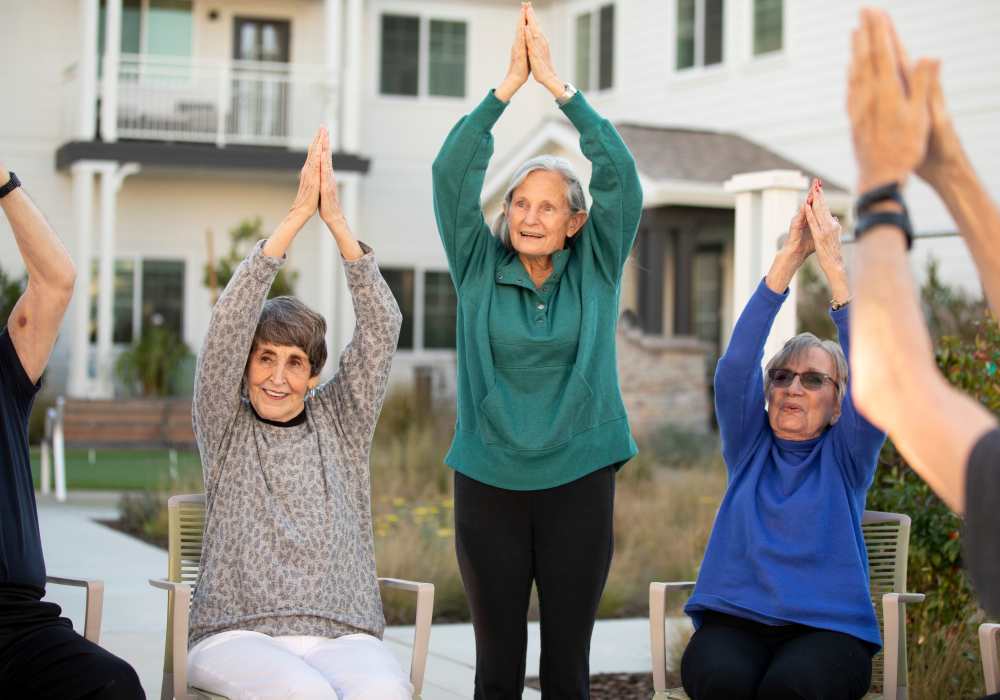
[[799, 243], [518, 70], [307, 198]]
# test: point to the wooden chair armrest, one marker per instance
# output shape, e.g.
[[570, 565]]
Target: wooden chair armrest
[[178, 633], [989, 632], [894, 652], [422, 628], [94, 603], [657, 632]]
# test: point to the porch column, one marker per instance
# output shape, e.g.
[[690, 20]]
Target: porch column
[[332, 13], [83, 214], [350, 93], [765, 204], [109, 78], [86, 121], [112, 176]]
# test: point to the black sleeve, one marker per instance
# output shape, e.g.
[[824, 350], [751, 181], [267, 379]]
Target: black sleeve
[[18, 387], [982, 520]]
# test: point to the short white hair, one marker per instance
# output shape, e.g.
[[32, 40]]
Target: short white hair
[[798, 346]]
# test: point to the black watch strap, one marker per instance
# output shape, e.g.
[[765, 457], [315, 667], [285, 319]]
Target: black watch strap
[[883, 193], [900, 219], [11, 185]]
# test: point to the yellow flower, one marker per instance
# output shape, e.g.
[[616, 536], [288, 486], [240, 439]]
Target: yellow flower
[[421, 511], [392, 518], [448, 503], [398, 502], [444, 532]]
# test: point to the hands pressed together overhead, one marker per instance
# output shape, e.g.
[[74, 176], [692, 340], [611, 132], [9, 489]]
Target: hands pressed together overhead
[[318, 184], [529, 55], [896, 107]]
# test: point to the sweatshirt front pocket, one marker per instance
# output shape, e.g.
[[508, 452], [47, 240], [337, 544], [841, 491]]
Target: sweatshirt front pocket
[[536, 408]]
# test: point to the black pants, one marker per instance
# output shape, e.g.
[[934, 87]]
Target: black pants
[[560, 538], [735, 659], [42, 657]]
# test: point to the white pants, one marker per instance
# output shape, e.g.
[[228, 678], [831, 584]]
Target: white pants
[[244, 665]]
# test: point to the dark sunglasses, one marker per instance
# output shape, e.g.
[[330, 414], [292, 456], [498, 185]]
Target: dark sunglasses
[[783, 378]]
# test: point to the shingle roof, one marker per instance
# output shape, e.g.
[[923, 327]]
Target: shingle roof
[[698, 155]]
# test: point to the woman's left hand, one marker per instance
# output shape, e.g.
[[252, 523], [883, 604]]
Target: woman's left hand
[[540, 57], [329, 197], [826, 231], [307, 198]]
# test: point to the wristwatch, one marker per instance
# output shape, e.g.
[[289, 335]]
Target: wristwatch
[[568, 92], [11, 185], [868, 219]]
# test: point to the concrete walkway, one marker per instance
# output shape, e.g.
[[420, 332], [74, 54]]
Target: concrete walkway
[[135, 613]]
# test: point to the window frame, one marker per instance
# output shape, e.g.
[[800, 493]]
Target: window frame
[[423, 51], [593, 9], [137, 260], [419, 349], [699, 67]]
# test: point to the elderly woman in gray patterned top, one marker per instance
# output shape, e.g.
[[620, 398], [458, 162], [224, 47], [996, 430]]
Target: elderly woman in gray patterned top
[[288, 602]]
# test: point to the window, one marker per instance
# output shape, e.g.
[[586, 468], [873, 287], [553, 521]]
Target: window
[[595, 49], [428, 303], [699, 33], [146, 292], [413, 47], [768, 26], [400, 55], [152, 27], [440, 310], [401, 283]]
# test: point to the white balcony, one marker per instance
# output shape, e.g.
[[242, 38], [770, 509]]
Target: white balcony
[[166, 98]]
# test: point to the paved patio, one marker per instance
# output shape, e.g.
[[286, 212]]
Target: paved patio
[[135, 613]]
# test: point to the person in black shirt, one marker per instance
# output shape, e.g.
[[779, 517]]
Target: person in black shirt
[[900, 125], [40, 654]]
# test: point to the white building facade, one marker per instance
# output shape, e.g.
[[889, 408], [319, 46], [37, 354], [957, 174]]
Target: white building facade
[[197, 117]]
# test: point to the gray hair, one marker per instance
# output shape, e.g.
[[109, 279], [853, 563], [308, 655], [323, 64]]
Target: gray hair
[[285, 320], [798, 346], [574, 191]]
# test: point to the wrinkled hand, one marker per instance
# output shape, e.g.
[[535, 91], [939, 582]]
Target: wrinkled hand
[[886, 103], [824, 227], [329, 195], [518, 69], [307, 198], [799, 242], [944, 149], [539, 55]]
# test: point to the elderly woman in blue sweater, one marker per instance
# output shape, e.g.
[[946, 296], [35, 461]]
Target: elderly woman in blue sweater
[[782, 606]]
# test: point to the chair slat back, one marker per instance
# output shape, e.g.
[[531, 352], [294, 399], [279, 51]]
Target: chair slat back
[[887, 540], [185, 534]]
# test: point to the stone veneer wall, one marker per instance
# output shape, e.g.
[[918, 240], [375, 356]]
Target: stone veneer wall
[[663, 381]]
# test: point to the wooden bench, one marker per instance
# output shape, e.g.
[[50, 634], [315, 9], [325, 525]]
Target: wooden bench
[[152, 423]]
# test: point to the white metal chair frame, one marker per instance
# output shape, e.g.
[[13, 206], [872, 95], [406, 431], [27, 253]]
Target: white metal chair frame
[[894, 671]]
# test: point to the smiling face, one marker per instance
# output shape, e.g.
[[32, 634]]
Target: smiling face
[[278, 379], [796, 413], [539, 216]]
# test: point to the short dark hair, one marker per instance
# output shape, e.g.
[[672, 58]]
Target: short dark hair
[[287, 321]]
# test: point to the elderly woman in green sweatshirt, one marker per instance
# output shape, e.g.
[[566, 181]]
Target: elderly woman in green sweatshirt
[[541, 425]]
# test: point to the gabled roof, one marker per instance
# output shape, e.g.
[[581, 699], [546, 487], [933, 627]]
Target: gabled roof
[[679, 166], [700, 155]]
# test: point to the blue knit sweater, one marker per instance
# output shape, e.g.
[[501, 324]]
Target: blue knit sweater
[[787, 545]]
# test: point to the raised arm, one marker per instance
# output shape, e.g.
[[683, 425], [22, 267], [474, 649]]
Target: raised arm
[[460, 170], [739, 380], [224, 352], [354, 396], [615, 191], [34, 322], [896, 382]]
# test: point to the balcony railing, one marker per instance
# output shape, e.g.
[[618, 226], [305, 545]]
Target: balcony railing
[[165, 98]]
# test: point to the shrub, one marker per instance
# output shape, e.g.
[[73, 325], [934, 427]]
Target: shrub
[[150, 366], [242, 238]]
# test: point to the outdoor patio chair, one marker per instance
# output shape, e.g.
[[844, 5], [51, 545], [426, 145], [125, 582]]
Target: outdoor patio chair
[[887, 539], [989, 632], [94, 602], [186, 525]]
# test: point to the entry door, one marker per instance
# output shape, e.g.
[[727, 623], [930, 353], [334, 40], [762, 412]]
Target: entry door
[[260, 79]]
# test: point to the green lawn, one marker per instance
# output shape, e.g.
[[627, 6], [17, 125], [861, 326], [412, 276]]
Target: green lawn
[[125, 470]]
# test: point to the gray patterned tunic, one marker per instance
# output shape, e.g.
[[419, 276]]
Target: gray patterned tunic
[[288, 544]]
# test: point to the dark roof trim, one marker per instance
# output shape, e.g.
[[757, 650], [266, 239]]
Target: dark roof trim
[[199, 156]]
